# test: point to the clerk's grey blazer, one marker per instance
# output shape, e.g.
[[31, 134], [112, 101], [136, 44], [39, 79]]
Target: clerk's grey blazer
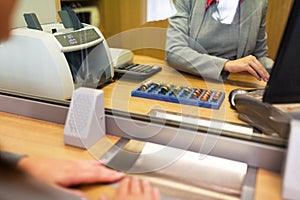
[[185, 54]]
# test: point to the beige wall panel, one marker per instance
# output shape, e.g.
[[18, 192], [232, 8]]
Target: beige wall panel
[[278, 12]]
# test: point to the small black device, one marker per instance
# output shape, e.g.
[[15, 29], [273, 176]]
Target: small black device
[[136, 71], [125, 68], [263, 116], [232, 95]]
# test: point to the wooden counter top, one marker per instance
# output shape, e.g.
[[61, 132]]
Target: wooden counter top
[[44, 139]]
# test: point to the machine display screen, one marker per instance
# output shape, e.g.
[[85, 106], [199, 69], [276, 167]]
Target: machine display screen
[[77, 38]]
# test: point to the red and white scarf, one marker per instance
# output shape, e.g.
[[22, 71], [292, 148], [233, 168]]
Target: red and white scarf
[[209, 2], [226, 10]]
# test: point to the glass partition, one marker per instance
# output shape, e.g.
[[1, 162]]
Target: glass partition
[[123, 25]]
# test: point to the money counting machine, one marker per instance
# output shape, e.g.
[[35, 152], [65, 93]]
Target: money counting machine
[[53, 59]]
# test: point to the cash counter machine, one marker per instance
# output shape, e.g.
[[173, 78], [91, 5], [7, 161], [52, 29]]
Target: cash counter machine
[[53, 59]]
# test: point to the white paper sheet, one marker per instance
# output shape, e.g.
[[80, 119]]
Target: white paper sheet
[[159, 9]]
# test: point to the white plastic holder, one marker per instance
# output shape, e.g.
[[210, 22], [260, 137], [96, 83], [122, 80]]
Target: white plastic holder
[[291, 172], [85, 122]]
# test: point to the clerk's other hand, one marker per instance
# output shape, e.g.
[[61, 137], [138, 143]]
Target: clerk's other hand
[[65, 173], [248, 64]]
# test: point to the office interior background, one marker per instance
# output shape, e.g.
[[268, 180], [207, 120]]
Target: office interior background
[[117, 16]]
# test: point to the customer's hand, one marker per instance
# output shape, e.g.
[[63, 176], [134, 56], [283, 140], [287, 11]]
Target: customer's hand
[[135, 189], [248, 64], [65, 173]]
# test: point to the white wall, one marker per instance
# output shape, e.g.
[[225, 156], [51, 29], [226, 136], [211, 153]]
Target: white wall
[[44, 9]]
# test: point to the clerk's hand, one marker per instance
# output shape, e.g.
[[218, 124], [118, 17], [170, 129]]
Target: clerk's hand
[[248, 64], [65, 173]]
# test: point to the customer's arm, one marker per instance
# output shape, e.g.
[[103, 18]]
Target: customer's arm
[[11, 158], [24, 177], [63, 173]]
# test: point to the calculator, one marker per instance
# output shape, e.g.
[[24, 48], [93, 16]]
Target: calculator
[[136, 71]]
